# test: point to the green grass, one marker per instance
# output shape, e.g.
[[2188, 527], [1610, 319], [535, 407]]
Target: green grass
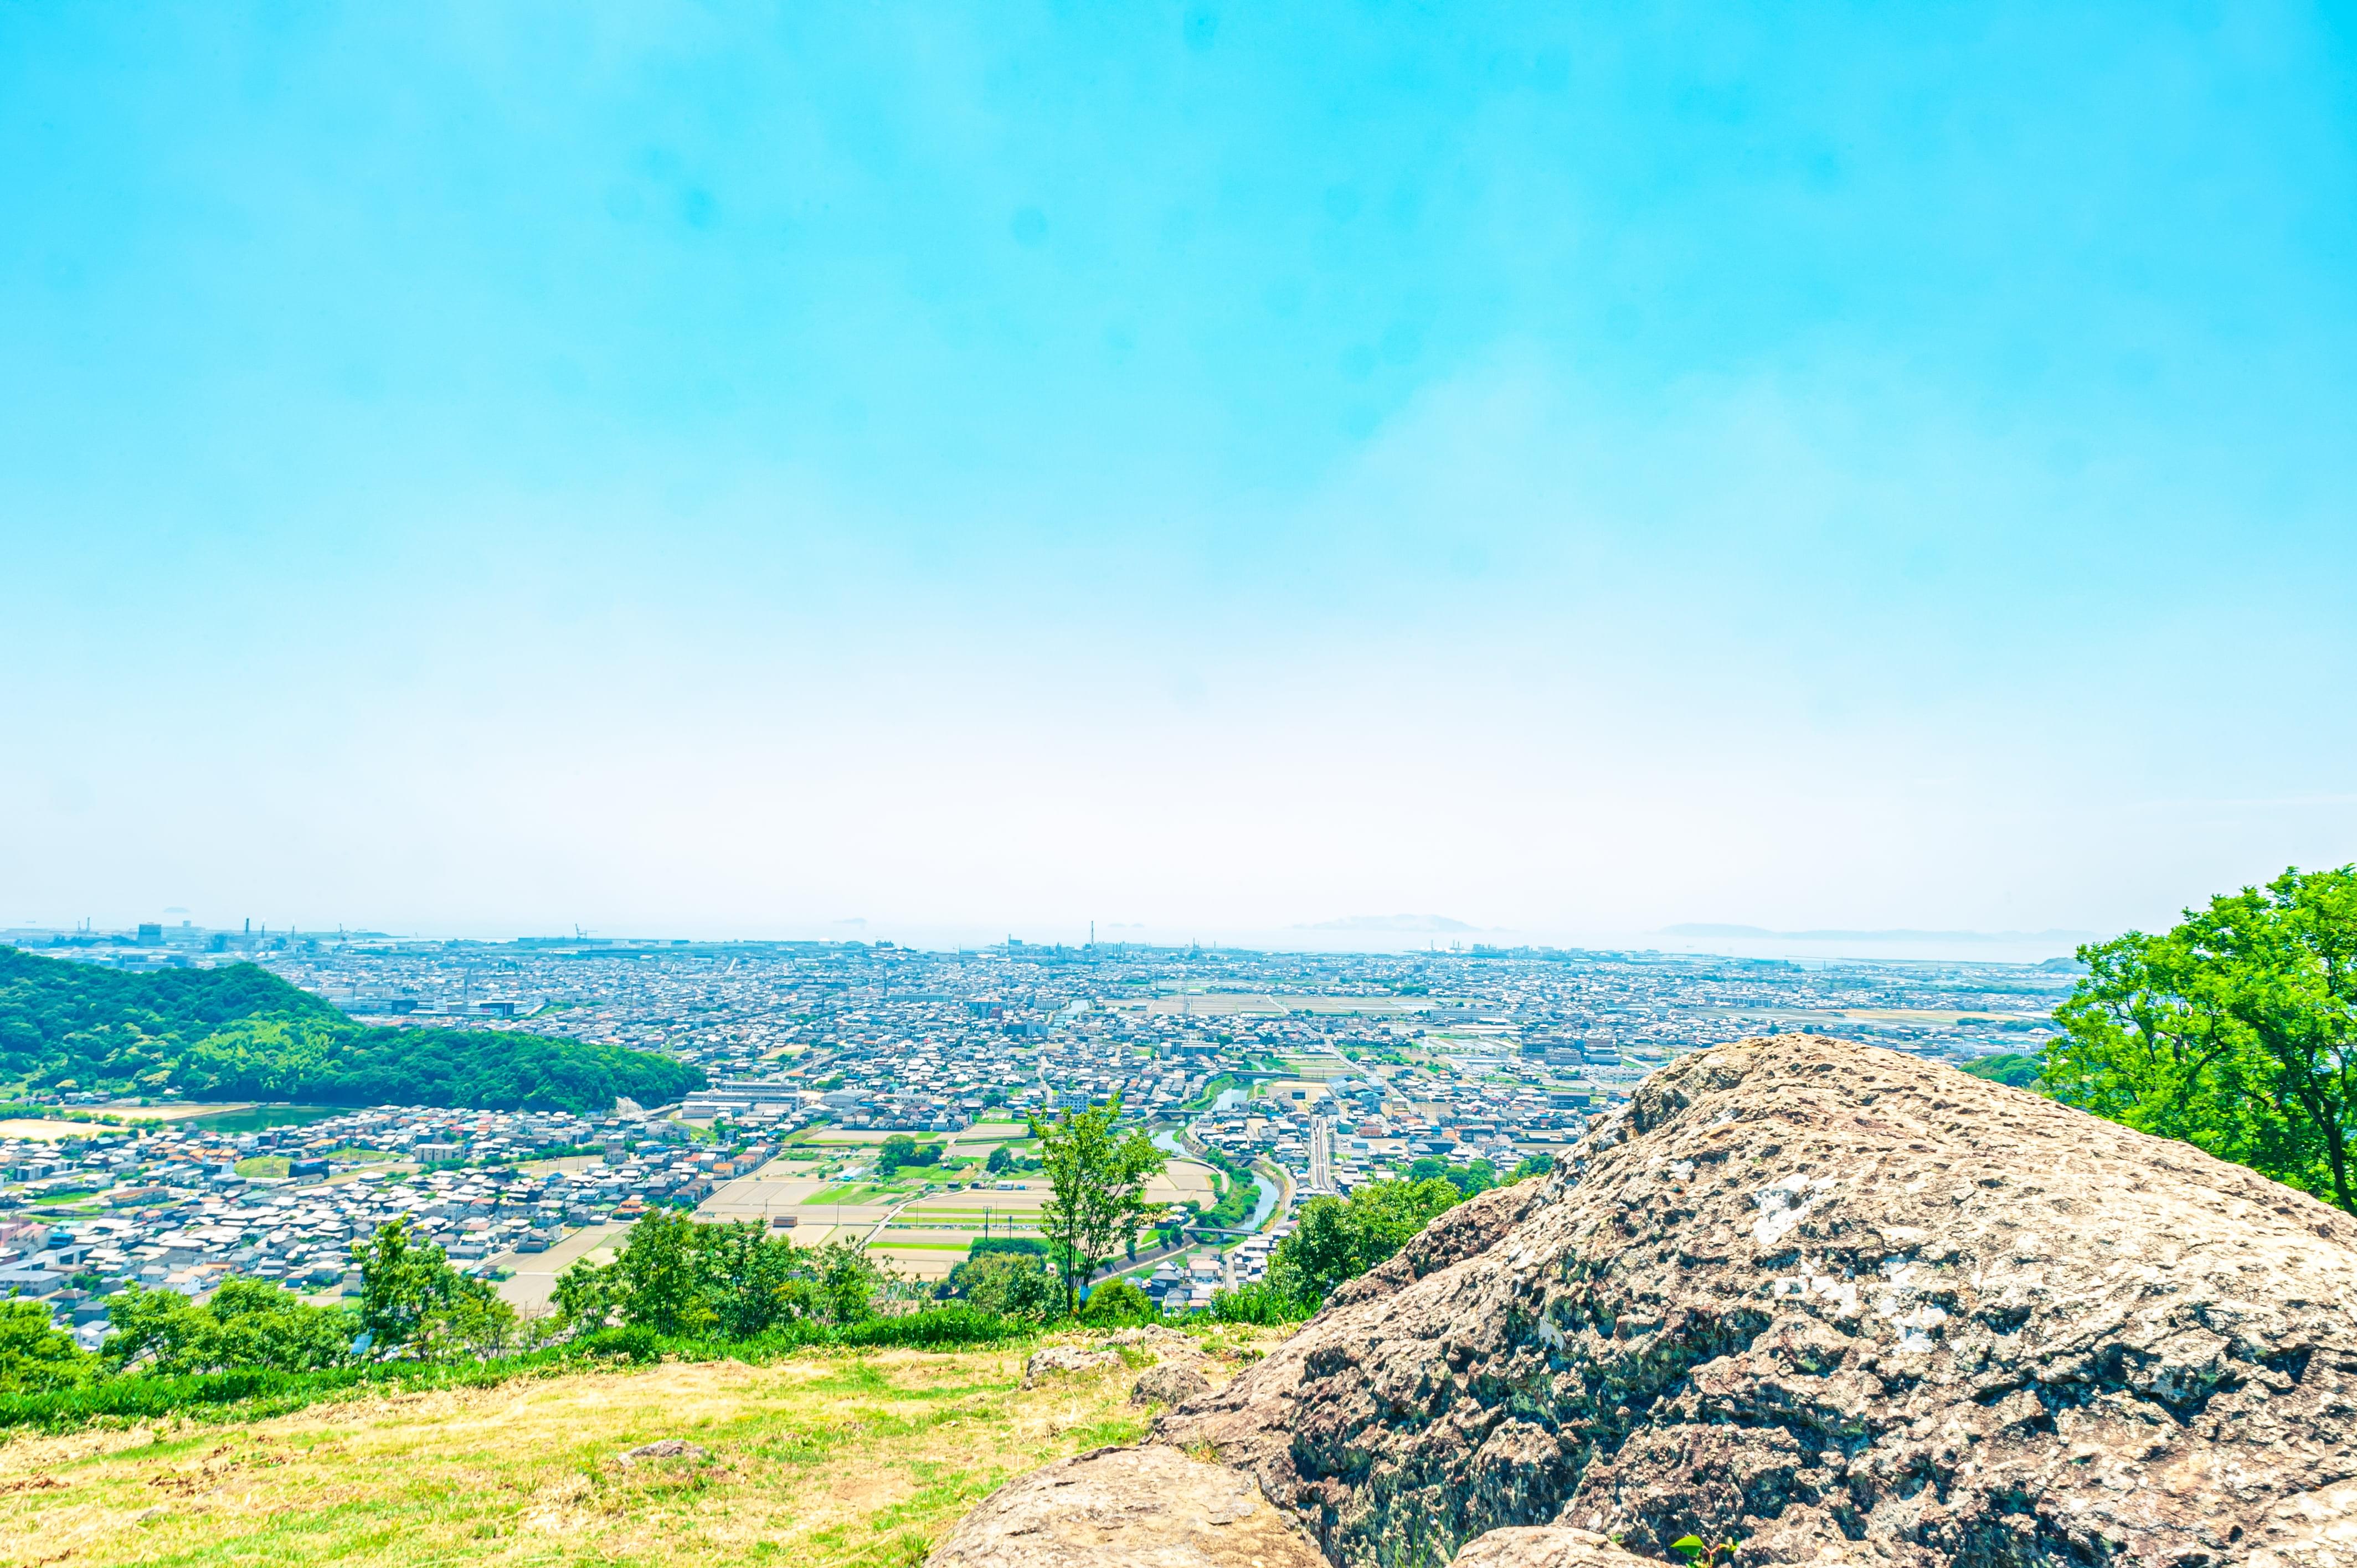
[[73, 1196], [863, 1192], [822, 1458], [225, 1396], [264, 1165]]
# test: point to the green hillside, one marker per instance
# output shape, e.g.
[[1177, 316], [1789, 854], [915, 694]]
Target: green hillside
[[241, 1031]]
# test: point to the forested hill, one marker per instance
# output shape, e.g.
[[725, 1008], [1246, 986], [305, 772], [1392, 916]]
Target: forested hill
[[240, 1032]]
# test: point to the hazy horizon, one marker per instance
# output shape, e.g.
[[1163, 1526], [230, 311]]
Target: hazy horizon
[[1365, 934], [721, 470]]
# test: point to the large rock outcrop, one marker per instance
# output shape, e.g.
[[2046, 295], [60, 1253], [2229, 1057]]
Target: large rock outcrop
[[1837, 1304], [1127, 1508]]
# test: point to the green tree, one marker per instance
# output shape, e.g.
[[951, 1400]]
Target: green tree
[[898, 1150], [1469, 1179], [33, 1357], [2236, 1031], [1338, 1239], [413, 1301], [2013, 1068], [1099, 1177], [161, 1328], [586, 1294], [675, 1277], [247, 1324], [848, 1281], [1012, 1284], [1117, 1301], [748, 1277], [660, 1277], [262, 1324], [999, 1160]]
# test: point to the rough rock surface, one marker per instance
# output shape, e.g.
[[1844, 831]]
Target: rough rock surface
[[1170, 1382], [1127, 1508], [665, 1449], [1839, 1304], [1164, 1342], [1067, 1358], [1545, 1546]]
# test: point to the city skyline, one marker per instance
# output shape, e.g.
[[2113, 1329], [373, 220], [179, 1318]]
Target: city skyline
[[176, 935]]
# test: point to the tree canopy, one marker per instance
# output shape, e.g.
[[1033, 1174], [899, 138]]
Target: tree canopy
[[247, 1324], [2236, 1031], [1341, 1239], [240, 1032], [33, 1357], [1012, 1284], [675, 1276], [1470, 1179], [900, 1150], [1099, 1177], [413, 1303], [2016, 1070]]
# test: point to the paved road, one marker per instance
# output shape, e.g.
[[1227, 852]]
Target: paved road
[[1321, 1157]]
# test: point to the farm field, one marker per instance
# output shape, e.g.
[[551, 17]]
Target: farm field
[[49, 1132], [921, 1235]]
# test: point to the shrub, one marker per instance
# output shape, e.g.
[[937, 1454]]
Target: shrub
[[247, 1324], [1338, 1239], [413, 1301], [1469, 1180], [943, 1329], [627, 1343], [1117, 1301], [677, 1277], [33, 1357], [985, 1244], [1259, 1302], [1009, 1284]]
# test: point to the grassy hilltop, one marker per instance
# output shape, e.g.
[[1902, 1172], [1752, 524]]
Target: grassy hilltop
[[240, 1032], [825, 1459]]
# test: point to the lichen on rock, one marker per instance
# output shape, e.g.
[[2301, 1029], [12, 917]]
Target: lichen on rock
[[1127, 1508], [1069, 1360], [1837, 1304]]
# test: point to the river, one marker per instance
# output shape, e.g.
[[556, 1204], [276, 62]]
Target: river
[[1168, 1141]]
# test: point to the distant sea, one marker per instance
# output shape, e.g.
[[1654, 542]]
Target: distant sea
[[1369, 935]]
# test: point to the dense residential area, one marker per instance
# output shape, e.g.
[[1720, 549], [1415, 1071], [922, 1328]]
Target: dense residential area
[[886, 1095]]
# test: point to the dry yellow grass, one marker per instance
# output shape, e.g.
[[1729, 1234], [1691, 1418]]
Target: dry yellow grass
[[826, 1460]]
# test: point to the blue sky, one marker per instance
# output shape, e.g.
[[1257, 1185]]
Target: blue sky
[[738, 468]]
